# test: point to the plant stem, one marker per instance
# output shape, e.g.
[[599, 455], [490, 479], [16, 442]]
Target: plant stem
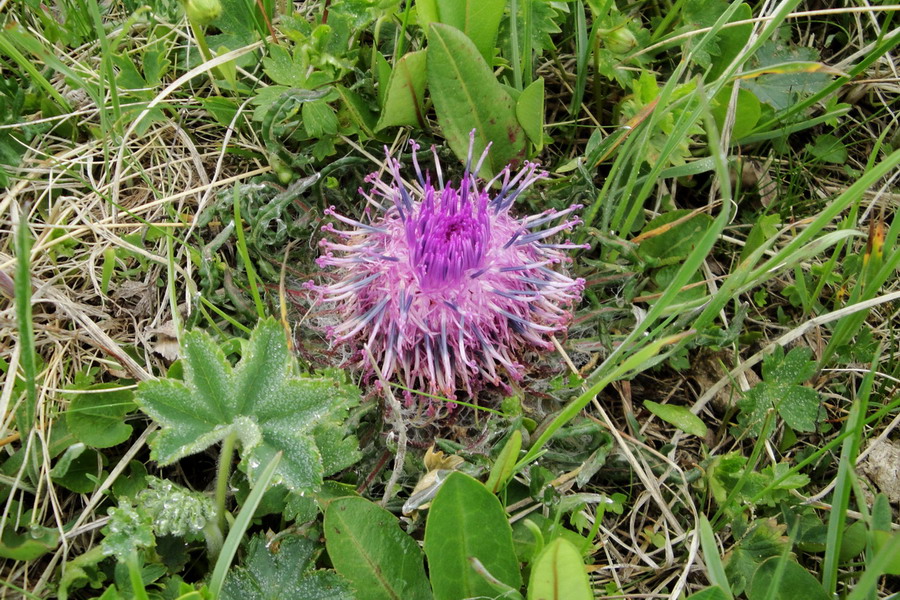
[[134, 575], [205, 53], [222, 477], [514, 44]]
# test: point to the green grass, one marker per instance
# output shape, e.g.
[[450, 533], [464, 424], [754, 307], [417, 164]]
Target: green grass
[[740, 201]]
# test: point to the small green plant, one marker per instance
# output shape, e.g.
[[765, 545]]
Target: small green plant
[[781, 390], [262, 404]]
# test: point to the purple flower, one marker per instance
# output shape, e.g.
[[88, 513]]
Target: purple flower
[[442, 284]]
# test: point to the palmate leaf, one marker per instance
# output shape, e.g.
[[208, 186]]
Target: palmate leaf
[[261, 401], [285, 570], [798, 405]]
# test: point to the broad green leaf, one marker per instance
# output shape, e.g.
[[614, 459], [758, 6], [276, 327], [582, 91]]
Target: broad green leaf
[[679, 416], [795, 367], [478, 19], [368, 548], [731, 41], [530, 112], [319, 119], [175, 510], [799, 407], [780, 73], [259, 401], [95, 418], [880, 540], [559, 574], [283, 570], [285, 69], [466, 97], [465, 521], [383, 73], [29, 545], [405, 95], [828, 148], [781, 578], [358, 109], [667, 237], [746, 113], [764, 540], [882, 520], [853, 541], [764, 228], [710, 593], [78, 469]]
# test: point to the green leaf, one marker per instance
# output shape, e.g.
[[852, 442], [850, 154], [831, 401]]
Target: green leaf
[[478, 19], [764, 540], [319, 119], [405, 95], [285, 69], [368, 548], [78, 469], [129, 529], [27, 546], [781, 578], [286, 570], [95, 418], [559, 574], [828, 148], [530, 112], [466, 97], [358, 109], [175, 510], [765, 228], [663, 238], [798, 405], [746, 113], [259, 400], [790, 74], [504, 466], [710, 593], [383, 73], [466, 521], [679, 416], [731, 41]]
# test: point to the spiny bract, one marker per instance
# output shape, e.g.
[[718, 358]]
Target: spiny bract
[[441, 284]]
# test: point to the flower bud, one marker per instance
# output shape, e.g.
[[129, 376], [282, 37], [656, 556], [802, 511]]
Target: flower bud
[[619, 40], [202, 12]]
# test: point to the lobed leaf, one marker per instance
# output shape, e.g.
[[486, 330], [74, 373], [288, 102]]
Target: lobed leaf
[[260, 401]]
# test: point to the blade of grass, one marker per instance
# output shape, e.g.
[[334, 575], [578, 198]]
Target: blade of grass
[[245, 255], [868, 583], [27, 412], [107, 76], [33, 72], [841, 497], [632, 363], [241, 523], [714, 567]]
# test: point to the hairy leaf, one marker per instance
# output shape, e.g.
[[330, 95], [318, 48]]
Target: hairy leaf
[[283, 570], [260, 401]]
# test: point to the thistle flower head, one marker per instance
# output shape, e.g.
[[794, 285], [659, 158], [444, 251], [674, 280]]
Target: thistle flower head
[[441, 284]]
